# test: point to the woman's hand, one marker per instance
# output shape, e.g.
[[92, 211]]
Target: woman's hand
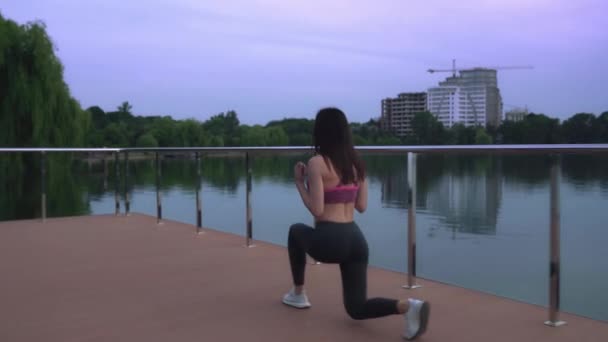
[[299, 172]]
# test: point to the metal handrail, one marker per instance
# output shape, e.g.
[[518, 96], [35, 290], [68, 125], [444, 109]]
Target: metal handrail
[[412, 151], [546, 148], [57, 149]]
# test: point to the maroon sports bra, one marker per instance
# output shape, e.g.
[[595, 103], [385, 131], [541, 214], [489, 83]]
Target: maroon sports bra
[[341, 194]]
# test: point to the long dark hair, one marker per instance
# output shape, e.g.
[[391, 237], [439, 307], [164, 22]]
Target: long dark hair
[[332, 139]]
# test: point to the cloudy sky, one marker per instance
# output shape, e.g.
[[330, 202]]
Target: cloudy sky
[[269, 59]]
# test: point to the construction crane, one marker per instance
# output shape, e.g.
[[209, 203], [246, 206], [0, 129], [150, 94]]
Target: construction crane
[[454, 69], [470, 102]]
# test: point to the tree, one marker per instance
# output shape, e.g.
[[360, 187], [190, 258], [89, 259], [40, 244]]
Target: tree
[[147, 140], [460, 134], [512, 132], [359, 140], [98, 117], [189, 133], [276, 136], [481, 137], [36, 107], [115, 135], [300, 139], [125, 107], [224, 125], [540, 129], [534, 129], [216, 141], [581, 128], [428, 130], [253, 136], [602, 121], [164, 130], [387, 140]]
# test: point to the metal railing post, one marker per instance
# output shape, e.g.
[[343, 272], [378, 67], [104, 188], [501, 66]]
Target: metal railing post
[[159, 208], [43, 186], [199, 214], [554, 247], [411, 222], [249, 223], [127, 203], [116, 184], [105, 173]]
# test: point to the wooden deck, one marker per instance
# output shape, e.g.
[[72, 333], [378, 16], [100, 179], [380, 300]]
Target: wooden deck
[[107, 278]]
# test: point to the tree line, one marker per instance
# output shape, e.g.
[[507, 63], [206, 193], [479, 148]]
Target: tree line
[[580, 128], [121, 128], [37, 109]]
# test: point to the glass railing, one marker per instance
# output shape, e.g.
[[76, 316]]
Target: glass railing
[[501, 219]]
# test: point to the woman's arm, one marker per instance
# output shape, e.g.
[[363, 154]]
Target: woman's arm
[[313, 196], [361, 203]]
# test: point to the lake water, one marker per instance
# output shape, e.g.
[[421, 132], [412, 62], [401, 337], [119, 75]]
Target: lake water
[[482, 221]]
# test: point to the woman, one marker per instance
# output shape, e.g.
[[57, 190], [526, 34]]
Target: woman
[[335, 187]]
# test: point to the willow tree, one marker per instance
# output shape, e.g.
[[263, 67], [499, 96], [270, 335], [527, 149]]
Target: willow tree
[[36, 108]]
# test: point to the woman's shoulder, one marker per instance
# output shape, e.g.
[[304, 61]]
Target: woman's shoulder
[[319, 163], [316, 160]]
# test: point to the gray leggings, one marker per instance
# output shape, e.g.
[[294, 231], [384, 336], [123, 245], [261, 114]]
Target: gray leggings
[[344, 244]]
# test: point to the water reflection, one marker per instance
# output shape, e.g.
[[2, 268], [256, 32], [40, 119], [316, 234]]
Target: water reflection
[[464, 191]]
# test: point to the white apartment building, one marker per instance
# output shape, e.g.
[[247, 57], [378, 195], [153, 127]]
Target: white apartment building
[[472, 98]]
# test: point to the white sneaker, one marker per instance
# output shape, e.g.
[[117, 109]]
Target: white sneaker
[[416, 319], [298, 301]]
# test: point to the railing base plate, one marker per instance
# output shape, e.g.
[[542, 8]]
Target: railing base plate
[[555, 324]]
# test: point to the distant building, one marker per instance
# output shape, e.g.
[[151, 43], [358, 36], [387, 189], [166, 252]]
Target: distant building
[[397, 113], [516, 115], [472, 98]]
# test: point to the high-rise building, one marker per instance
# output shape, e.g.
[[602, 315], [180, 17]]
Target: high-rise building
[[472, 98], [397, 113]]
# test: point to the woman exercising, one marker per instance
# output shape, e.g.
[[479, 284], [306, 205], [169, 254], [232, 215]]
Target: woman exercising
[[332, 185]]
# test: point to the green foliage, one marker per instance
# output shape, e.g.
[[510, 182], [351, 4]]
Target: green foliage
[[115, 135], [602, 121], [582, 128], [359, 140], [369, 133], [36, 107], [263, 136], [428, 130], [276, 136], [224, 125], [387, 140], [461, 135], [481, 137], [189, 133], [216, 141], [163, 129], [534, 129], [253, 136], [147, 140], [298, 131], [125, 108]]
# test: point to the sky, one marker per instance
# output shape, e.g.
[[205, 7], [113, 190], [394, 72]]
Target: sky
[[270, 59]]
